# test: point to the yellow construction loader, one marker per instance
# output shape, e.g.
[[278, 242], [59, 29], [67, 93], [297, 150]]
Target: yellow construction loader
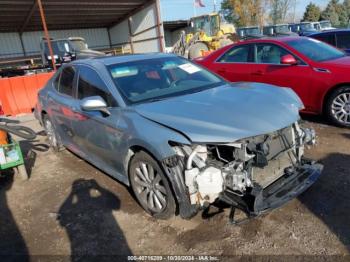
[[208, 33]]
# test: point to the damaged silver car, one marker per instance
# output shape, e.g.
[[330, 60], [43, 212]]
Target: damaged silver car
[[180, 136]]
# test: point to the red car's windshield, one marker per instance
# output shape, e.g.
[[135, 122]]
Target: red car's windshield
[[315, 50]]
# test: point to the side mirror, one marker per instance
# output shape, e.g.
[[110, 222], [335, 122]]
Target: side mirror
[[94, 103], [288, 60]]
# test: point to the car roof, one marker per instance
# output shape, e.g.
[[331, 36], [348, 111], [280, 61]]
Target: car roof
[[332, 31], [119, 59], [281, 39]]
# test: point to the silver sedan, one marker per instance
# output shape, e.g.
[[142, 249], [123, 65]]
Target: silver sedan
[[180, 136]]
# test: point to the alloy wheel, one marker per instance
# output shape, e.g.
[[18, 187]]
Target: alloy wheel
[[150, 187], [50, 132], [341, 108]]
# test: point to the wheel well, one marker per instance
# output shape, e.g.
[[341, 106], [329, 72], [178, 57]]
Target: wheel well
[[132, 151], [43, 113], [329, 93], [136, 148]]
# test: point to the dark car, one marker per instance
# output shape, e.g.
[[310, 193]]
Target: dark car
[[316, 71], [278, 30], [339, 38], [249, 32], [67, 50], [304, 28]]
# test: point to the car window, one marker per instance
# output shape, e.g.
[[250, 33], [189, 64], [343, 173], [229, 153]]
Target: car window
[[343, 40], [66, 81], [238, 54], [327, 38], [90, 84], [269, 54], [160, 78], [315, 49]]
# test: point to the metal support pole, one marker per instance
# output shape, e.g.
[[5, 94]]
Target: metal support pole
[[159, 30], [22, 45], [47, 36], [130, 36]]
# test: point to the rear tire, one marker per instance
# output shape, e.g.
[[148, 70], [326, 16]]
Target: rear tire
[[52, 137], [151, 187], [197, 50], [338, 106]]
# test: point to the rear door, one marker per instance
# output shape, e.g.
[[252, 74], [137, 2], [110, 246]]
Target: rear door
[[60, 101], [235, 64], [268, 69]]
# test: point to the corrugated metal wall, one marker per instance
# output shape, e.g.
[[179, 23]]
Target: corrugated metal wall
[[171, 37], [144, 39], [10, 43], [97, 38]]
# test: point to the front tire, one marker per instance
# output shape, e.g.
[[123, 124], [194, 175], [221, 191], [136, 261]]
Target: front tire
[[338, 107], [151, 187]]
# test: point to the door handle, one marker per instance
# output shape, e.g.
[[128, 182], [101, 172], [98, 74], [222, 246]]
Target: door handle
[[258, 73]]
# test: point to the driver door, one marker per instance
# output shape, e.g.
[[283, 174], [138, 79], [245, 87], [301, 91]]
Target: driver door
[[96, 134]]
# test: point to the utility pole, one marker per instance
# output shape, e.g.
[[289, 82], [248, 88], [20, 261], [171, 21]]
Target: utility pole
[[47, 36], [214, 2]]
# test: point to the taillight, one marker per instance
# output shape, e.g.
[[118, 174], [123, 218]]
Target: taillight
[[1, 111]]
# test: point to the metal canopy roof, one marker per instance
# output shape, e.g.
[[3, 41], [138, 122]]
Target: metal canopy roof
[[175, 25], [24, 15]]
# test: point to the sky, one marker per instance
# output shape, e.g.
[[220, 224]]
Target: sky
[[184, 9]]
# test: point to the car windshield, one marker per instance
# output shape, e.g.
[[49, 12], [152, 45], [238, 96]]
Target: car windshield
[[252, 31], [306, 27], [282, 29], [59, 47], [315, 50], [160, 78], [325, 24]]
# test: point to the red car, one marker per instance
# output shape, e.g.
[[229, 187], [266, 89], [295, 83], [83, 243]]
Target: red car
[[317, 72]]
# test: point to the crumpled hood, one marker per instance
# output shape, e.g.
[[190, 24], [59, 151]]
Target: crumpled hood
[[226, 113]]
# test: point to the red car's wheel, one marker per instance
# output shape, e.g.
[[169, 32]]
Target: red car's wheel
[[338, 106]]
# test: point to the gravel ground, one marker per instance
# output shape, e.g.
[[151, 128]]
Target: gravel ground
[[69, 208]]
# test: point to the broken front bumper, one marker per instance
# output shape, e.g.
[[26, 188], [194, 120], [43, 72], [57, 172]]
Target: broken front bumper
[[260, 200]]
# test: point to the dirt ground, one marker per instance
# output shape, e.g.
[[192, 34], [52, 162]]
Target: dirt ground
[[70, 208]]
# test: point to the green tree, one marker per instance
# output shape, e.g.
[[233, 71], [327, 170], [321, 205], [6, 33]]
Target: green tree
[[346, 6], [336, 13], [312, 13], [227, 10]]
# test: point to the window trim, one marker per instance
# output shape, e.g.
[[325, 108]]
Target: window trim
[[234, 47], [73, 83], [288, 51], [101, 78]]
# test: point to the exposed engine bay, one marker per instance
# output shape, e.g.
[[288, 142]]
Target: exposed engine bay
[[245, 173]]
